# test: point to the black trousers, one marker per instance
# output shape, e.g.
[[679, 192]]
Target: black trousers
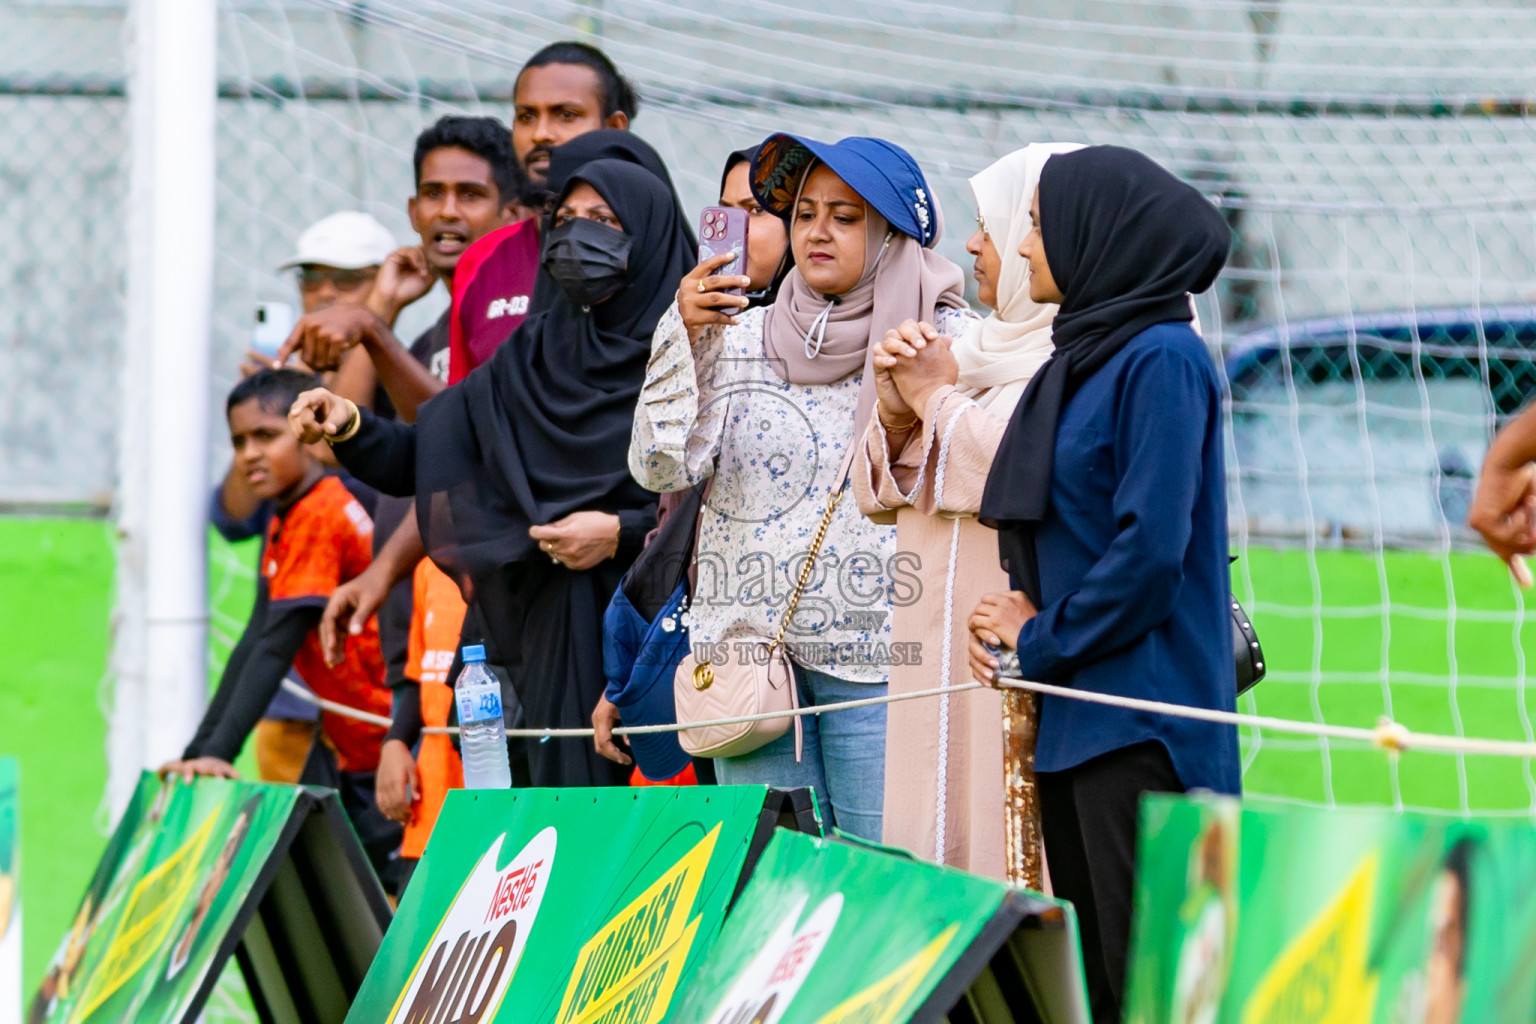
[[1088, 817]]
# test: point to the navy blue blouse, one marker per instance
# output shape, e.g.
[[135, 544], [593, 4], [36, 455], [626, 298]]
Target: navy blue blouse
[[1133, 564]]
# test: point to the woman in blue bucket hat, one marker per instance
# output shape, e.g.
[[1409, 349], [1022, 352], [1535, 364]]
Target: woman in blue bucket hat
[[767, 400]]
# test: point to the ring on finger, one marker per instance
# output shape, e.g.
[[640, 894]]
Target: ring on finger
[[702, 289]]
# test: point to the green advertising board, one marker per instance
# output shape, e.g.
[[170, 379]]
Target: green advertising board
[[1258, 913], [829, 932], [181, 882], [10, 893], [582, 906]]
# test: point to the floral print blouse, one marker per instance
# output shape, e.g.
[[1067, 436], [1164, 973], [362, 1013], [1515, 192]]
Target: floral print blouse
[[775, 450]]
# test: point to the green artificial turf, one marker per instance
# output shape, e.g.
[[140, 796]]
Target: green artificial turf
[[55, 604], [55, 596], [1436, 641]]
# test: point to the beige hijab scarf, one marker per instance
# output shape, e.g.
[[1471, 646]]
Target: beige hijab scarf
[[999, 355]]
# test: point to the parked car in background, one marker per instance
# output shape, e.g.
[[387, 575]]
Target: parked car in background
[[1366, 427]]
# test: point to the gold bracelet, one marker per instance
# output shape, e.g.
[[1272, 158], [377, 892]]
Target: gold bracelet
[[894, 428], [354, 424]]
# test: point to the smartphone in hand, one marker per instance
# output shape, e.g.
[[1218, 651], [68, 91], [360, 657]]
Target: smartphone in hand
[[723, 229], [274, 322], [1007, 661]]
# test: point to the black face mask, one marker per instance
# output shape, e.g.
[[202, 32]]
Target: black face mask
[[587, 260]]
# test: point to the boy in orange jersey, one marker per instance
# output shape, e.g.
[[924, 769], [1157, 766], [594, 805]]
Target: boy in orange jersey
[[411, 790], [319, 537]]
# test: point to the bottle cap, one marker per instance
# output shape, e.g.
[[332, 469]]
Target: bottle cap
[[473, 653]]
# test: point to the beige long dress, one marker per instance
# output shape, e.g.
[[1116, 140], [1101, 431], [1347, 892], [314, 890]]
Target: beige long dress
[[943, 756]]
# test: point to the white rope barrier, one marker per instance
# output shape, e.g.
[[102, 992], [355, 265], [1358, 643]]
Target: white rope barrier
[[1386, 735], [629, 730], [334, 708]]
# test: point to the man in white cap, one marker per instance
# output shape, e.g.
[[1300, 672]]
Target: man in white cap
[[338, 257]]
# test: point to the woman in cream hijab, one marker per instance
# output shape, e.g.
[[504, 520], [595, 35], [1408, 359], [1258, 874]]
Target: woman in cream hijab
[[943, 406]]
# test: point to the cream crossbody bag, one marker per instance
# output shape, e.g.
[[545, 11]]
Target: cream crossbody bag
[[759, 679]]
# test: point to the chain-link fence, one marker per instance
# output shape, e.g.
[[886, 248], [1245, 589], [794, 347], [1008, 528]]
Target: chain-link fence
[[1372, 159]]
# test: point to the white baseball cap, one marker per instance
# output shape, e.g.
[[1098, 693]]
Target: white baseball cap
[[347, 241]]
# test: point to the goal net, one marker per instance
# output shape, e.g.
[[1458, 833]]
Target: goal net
[[1374, 324]]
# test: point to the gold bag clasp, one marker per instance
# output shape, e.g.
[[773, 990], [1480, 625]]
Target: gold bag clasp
[[703, 675]]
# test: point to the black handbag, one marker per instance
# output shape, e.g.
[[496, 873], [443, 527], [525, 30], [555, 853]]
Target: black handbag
[[1246, 650], [1245, 647]]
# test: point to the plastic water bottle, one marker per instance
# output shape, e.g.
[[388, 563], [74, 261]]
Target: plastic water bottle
[[483, 744]]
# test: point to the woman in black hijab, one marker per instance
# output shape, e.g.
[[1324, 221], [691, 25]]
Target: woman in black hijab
[[607, 144], [1108, 493], [604, 144], [522, 490]]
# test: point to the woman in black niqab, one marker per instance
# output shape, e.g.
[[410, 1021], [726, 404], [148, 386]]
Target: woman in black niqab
[[604, 144], [541, 431], [544, 431], [1128, 243]]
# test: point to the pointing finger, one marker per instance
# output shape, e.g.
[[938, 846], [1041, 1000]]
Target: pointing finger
[[289, 347]]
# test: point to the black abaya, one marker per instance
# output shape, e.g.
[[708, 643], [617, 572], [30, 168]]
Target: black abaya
[[539, 432]]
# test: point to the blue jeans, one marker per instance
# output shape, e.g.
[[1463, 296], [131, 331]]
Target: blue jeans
[[844, 757]]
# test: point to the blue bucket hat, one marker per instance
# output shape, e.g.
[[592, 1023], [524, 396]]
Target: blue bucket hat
[[882, 172]]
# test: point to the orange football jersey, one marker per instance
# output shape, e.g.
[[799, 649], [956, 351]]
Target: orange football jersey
[[437, 614], [320, 542]]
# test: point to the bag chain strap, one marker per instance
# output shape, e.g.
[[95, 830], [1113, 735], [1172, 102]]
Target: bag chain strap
[[810, 563]]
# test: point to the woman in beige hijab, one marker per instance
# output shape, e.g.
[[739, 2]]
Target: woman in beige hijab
[[943, 406]]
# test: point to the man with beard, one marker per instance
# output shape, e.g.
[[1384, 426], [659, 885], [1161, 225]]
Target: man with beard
[[565, 90]]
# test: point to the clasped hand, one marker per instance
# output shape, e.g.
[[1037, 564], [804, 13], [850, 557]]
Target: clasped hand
[[997, 620], [911, 363]]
